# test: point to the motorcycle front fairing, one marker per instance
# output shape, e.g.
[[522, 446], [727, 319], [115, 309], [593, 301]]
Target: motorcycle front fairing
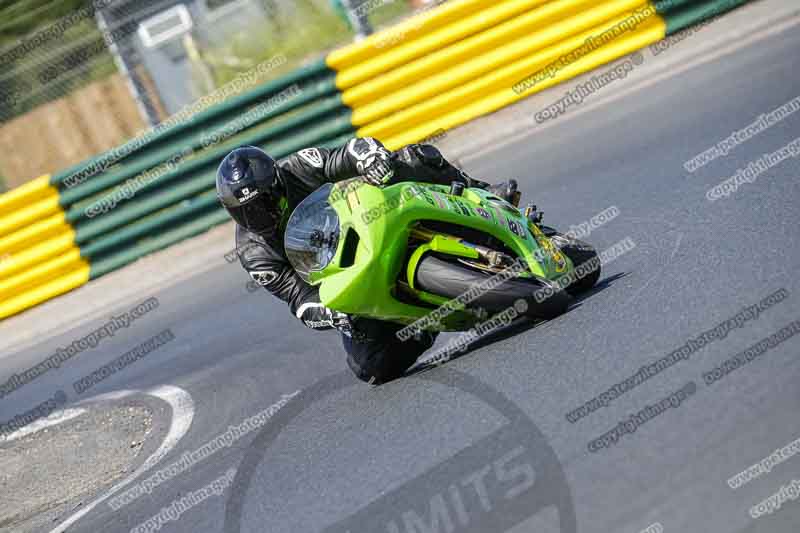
[[353, 241]]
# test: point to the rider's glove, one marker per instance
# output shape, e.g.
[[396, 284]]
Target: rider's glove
[[373, 161], [378, 169], [342, 322]]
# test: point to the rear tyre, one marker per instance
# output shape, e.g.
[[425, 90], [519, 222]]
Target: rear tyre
[[545, 299]]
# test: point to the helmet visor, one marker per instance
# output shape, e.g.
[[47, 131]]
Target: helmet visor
[[259, 215]]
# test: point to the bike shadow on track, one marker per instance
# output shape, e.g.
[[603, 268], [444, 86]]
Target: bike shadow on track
[[516, 327]]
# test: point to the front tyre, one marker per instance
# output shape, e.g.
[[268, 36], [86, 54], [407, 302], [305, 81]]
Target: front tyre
[[545, 299], [584, 258]]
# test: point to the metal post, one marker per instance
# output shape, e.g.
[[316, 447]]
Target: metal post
[[357, 17], [146, 109]]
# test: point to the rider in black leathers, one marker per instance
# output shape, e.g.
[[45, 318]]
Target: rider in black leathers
[[260, 193]]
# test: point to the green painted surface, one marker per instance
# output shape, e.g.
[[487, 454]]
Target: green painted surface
[[147, 202], [697, 12], [130, 254], [317, 100], [299, 130], [665, 6], [225, 110], [188, 209]]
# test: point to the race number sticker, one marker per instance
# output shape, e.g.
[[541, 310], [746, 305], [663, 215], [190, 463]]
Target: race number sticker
[[515, 228], [484, 213]]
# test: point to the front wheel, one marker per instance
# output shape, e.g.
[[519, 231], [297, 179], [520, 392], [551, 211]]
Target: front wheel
[[584, 258], [545, 299]]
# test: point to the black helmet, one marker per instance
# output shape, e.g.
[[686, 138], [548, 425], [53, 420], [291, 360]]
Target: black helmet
[[249, 188]]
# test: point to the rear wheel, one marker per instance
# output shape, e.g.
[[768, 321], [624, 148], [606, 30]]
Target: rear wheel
[[545, 299]]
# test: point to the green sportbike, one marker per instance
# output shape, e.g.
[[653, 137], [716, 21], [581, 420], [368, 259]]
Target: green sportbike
[[396, 253]]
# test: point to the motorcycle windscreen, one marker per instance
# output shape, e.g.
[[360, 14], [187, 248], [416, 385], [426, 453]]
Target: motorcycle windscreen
[[312, 233]]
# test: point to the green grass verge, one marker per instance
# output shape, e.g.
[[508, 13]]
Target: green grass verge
[[320, 31]]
